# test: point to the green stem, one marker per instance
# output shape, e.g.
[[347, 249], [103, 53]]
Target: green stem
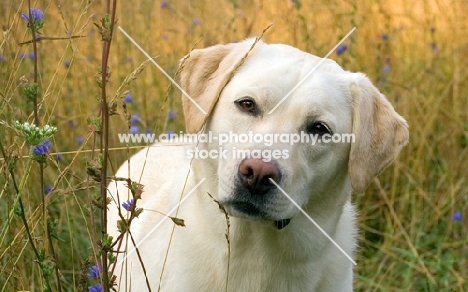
[[19, 201], [18, 191]]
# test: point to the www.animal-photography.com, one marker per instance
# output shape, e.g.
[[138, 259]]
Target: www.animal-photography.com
[[233, 145]]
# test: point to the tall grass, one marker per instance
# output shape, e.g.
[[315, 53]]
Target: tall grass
[[413, 218]]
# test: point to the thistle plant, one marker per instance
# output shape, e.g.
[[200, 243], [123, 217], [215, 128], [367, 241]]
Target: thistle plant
[[33, 134], [38, 140], [35, 19]]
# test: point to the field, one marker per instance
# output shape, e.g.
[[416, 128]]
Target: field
[[412, 219]]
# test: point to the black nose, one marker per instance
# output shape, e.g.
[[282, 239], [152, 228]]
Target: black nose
[[255, 175]]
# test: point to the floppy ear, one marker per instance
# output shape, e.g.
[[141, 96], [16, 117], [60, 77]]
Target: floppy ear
[[204, 75], [379, 131]]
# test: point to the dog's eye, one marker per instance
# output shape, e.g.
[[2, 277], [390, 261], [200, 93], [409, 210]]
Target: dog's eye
[[318, 128], [247, 105]]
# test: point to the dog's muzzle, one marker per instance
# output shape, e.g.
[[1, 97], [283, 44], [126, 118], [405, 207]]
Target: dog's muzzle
[[254, 190]]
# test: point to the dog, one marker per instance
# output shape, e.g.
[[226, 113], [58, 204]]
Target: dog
[[248, 218]]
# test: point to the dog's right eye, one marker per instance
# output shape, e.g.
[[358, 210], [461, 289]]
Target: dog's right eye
[[247, 105], [318, 128]]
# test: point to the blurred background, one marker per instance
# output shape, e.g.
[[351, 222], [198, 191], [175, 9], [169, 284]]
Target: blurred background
[[412, 219]]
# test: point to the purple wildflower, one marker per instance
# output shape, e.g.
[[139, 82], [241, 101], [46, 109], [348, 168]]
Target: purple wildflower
[[31, 56], [66, 63], [134, 130], [58, 157], [128, 98], [42, 148], [196, 21], [128, 204], [172, 115], [135, 119], [170, 132], [36, 14], [21, 56], [79, 140], [386, 68], [95, 288], [457, 216], [384, 36], [341, 49], [95, 272], [164, 4], [47, 189]]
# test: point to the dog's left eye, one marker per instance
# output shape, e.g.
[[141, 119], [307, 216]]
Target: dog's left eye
[[318, 128], [247, 105]]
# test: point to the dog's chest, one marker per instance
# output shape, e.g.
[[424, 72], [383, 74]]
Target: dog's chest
[[253, 262]]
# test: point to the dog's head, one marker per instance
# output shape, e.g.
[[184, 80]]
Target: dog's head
[[277, 95]]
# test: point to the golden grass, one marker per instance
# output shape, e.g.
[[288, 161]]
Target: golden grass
[[409, 241]]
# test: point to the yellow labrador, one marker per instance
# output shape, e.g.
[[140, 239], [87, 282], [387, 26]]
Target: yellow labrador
[[271, 244]]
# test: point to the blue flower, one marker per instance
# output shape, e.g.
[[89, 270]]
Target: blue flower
[[128, 60], [457, 216], [58, 157], [128, 204], [66, 63], [47, 189], [31, 56], [196, 21], [94, 272], [37, 15], [172, 115], [95, 288], [384, 36], [21, 56], [128, 98], [341, 49], [149, 131], [42, 148], [135, 119], [71, 123], [164, 4], [79, 140], [386, 68], [134, 130], [170, 132], [2, 59]]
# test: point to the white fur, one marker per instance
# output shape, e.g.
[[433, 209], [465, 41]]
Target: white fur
[[262, 258]]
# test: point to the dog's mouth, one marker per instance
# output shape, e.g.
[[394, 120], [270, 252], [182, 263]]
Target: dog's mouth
[[250, 211], [280, 224], [243, 209]]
